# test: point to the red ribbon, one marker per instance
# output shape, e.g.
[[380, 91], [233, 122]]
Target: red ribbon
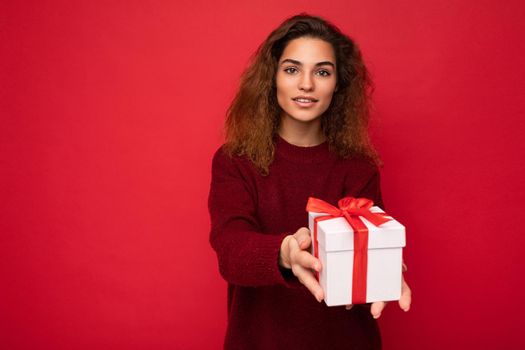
[[351, 209]]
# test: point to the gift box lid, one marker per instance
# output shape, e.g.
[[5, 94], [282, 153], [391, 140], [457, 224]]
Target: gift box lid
[[336, 234]]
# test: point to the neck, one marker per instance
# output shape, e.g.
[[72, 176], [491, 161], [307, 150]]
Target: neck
[[304, 134]]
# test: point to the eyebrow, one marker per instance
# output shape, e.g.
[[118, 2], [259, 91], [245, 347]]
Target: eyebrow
[[323, 63]]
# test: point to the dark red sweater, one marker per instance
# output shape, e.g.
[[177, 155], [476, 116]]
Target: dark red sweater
[[250, 215]]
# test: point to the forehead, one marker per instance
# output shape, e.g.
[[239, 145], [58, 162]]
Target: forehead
[[308, 50]]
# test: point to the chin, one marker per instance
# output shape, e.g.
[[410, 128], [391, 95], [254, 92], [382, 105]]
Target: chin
[[303, 117]]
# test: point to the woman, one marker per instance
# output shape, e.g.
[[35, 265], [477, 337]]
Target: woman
[[296, 128]]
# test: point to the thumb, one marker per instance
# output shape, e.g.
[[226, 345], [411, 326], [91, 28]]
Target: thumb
[[303, 237]]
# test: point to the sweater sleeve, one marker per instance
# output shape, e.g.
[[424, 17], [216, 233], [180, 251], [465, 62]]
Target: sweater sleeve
[[372, 189], [246, 256], [363, 180]]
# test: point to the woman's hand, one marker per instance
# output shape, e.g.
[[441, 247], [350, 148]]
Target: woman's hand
[[404, 302], [293, 255]]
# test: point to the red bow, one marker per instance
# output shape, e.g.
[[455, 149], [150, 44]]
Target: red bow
[[351, 209]]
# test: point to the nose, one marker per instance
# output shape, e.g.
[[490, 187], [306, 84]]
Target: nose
[[306, 83]]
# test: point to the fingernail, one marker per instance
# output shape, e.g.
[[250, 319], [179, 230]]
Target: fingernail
[[377, 316], [405, 310]]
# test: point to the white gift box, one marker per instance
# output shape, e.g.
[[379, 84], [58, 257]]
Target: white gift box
[[336, 252]]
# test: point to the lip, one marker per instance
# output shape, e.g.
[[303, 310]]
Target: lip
[[305, 104]]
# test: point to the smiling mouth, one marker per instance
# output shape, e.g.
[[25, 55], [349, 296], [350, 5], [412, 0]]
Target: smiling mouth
[[305, 100]]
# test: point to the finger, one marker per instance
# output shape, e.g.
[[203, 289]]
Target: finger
[[348, 307], [302, 257], [303, 237], [305, 243], [306, 260], [307, 278], [377, 308], [406, 296]]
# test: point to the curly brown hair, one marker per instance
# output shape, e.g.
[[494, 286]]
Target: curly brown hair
[[253, 117]]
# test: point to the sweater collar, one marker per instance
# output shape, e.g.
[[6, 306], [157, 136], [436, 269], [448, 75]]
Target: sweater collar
[[300, 154]]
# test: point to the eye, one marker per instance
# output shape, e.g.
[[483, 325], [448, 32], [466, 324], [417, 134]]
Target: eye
[[290, 70], [324, 73]]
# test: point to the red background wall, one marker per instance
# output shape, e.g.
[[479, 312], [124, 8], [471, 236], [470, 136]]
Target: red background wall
[[111, 112]]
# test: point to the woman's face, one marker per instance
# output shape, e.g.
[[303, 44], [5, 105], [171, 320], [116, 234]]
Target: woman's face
[[306, 79]]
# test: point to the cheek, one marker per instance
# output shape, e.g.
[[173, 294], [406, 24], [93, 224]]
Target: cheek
[[328, 91], [282, 84], [283, 90], [329, 87]]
